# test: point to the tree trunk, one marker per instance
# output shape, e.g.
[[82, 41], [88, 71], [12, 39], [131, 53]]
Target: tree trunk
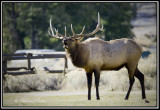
[[33, 37], [17, 40]]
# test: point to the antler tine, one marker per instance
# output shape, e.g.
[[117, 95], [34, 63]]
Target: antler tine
[[80, 35], [49, 33], [65, 32], [52, 35], [51, 28], [97, 28], [56, 30], [101, 29], [72, 30], [52, 32], [98, 19], [92, 33], [82, 30], [98, 25]]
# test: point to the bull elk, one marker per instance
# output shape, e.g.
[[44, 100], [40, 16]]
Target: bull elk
[[95, 55]]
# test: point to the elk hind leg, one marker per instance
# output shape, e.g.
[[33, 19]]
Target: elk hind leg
[[140, 76], [131, 71], [131, 82]]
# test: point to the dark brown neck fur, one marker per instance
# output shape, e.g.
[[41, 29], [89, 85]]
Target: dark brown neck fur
[[78, 55]]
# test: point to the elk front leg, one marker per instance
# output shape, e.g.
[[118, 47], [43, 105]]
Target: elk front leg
[[89, 82], [97, 77]]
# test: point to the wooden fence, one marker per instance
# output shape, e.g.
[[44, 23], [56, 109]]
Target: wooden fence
[[28, 57]]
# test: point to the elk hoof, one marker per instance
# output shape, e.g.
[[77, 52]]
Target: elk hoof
[[98, 98], [147, 101]]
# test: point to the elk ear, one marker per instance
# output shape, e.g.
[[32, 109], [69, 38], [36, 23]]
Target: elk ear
[[79, 39]]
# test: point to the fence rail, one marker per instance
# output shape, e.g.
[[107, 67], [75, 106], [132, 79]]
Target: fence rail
[[29, 57]]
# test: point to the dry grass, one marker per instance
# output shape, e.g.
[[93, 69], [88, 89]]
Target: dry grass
[[75, 79], [63, 98]]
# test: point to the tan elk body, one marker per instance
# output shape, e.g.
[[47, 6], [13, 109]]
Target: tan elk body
[[107, 55], [95, 55]]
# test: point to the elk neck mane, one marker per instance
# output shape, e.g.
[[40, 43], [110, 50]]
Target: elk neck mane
[[78, 55]]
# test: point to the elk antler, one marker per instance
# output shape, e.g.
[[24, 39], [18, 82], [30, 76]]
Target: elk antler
[[57, 36], [90, 34], [77, 35], [60, 36]]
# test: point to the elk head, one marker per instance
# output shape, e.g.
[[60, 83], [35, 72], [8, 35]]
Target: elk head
[[71, 41]]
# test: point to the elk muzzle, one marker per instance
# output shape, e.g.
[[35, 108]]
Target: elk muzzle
[[65, 44]]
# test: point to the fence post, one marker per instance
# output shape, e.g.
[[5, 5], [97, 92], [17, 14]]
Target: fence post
[[29, 60], [66, 66], [4, 68]]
